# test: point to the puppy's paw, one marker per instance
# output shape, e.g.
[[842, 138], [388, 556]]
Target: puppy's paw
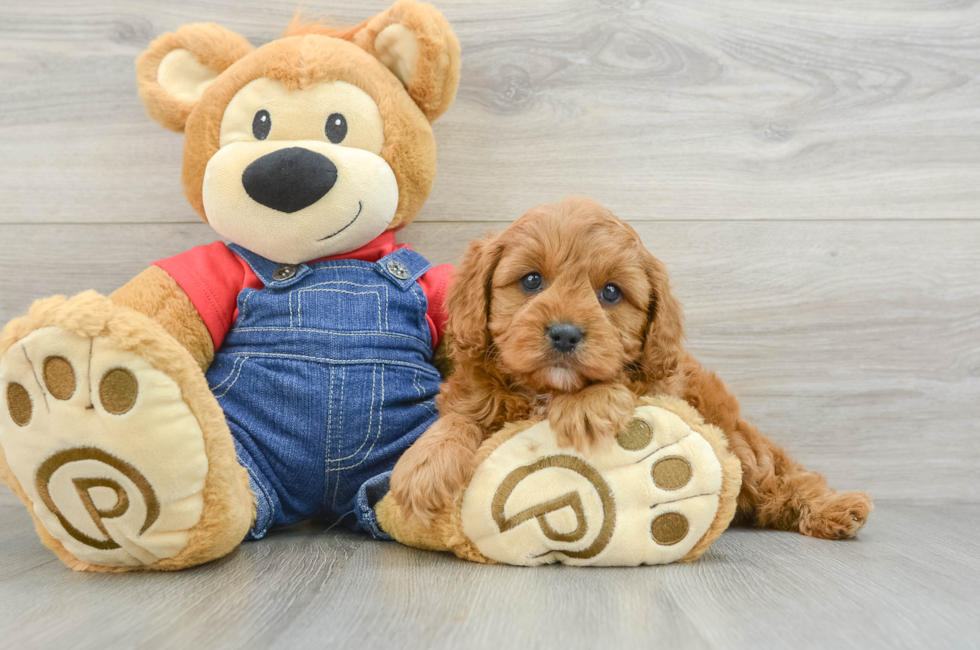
[[428, 476], [593, 415], [840, 517]]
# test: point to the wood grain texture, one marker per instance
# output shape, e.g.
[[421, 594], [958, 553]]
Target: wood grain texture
[[911, 580], [854, 344], [770, 109]]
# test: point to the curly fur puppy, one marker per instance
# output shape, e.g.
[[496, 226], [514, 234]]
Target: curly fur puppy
[[566, 314]]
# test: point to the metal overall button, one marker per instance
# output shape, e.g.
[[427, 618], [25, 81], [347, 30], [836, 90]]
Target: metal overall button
[[284, 272], [398, 269]]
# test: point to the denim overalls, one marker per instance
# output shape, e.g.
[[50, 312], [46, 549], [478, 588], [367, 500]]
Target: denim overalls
[[326, 378]]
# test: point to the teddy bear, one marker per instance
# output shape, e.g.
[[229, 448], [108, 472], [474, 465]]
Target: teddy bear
[[241, 386], [238, 387]]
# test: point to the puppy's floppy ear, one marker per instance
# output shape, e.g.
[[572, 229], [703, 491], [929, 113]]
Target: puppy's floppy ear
[[663, 345], [469, 300], [416, 43], [177, 68]]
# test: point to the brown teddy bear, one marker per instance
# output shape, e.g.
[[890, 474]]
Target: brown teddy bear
[[238, 387]]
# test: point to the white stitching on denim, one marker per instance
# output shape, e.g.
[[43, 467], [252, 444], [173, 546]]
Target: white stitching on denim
[[326, 456], [241, 311], [377, 285], [387, 298], [337, 476], [346, 362], [415, 383], [299, 311], [343, 392], [423, 325], [261, 487], [370, 424], [227, 377], [374, 382], [237, 375], [334, 333], [265, 494], [318, 267], [418, 389], [381, 411]]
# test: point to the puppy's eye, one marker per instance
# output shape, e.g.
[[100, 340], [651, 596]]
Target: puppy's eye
[[336, 128], [261, 125], [531, 283], [611, 294]]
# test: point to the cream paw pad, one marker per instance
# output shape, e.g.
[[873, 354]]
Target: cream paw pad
[[91, 434], [660, 493], [108, 437]]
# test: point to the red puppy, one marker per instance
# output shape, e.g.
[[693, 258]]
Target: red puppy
[[566, 314]]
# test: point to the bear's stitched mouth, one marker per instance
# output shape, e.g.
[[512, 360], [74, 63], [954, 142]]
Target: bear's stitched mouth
[[360, 206]]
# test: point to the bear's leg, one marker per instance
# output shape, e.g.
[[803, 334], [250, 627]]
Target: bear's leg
[[110, 436], [662, 492]]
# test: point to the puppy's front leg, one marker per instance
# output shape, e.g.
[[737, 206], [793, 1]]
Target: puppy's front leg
[[428, 475], [595, 413], [777, 492]]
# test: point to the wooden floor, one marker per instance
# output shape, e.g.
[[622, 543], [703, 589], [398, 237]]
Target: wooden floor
[[912, 580], [809, 170]]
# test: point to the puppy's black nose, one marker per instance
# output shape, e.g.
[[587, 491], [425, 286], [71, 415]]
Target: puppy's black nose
[[289, 179], [564, 337]]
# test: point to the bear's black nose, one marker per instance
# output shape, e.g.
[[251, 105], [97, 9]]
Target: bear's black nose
[[564, 337], [290, 179]]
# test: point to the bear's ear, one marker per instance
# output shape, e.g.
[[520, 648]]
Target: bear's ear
[[416, 43], [177, 68]]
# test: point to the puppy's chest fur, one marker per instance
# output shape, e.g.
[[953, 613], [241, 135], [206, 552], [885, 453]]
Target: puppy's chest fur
[[538, 405], [520, 405]]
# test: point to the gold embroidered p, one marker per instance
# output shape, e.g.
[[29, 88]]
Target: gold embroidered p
[[85, 485], [572, 500]]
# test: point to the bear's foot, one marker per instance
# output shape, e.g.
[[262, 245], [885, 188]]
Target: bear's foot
[[111, 437], [661, 493]]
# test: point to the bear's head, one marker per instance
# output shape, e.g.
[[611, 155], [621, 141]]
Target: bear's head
[[313, 144]]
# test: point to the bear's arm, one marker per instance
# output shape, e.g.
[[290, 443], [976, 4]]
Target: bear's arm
[[154, 293]]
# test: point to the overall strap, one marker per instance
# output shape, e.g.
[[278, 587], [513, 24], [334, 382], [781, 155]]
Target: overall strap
[[272, 273], [402, 267]]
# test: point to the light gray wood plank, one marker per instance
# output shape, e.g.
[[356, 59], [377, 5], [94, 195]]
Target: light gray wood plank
[[911, 580], [20, 548], [855, 345], [770, 109]]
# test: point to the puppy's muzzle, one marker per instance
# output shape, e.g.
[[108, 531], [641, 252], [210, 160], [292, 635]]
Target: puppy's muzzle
[[289, 179], [565, 337]]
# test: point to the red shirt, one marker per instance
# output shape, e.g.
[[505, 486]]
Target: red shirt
[[212, 276]]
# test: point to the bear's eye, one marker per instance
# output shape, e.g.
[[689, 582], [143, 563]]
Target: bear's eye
[[336, 128], [611, 294], [261, 124], [531, 283]]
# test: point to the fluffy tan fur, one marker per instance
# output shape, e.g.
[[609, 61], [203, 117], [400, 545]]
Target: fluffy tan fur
[[212, 45], [157, 295], [229, 506], [436, 77], [151, 316], [311, 54], [504, 364]]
